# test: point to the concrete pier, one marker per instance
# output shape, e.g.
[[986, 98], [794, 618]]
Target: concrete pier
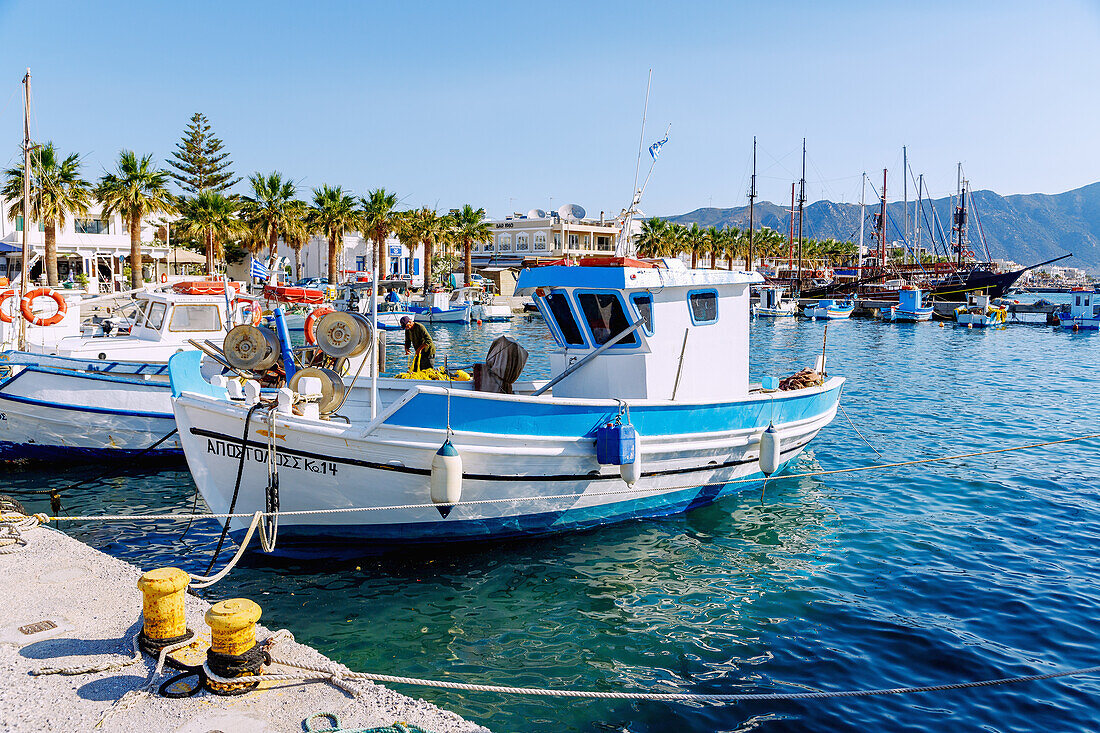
[[66, 604]]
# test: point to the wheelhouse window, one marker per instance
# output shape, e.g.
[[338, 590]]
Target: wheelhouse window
[[195, 318], [156, 316], [606, 317], [704, 306], [643, 303], [558, 304]]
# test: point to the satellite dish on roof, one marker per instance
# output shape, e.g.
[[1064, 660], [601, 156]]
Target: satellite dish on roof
[[536, 214], [571, 211]]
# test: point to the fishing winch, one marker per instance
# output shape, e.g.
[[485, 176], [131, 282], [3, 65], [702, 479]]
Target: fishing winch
[[251, 347], [329, 386], [344, 335]]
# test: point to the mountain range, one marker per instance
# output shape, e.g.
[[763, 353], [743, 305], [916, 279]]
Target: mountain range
[[1025, 228]]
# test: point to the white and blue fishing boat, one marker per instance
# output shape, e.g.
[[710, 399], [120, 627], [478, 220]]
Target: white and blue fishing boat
[[773, 305], [439, 308], [92, 396], [980, 313], [1084, 314], [650, 412], [830, 310], [908, 309]]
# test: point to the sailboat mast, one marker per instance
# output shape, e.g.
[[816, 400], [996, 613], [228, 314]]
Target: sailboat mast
[[801, 206], [904, 202], [882, 229], [917, 210], [752, 199], [24, 269], [862, 217], [790, 236]]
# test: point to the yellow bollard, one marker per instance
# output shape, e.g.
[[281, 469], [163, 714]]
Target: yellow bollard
[[233, 626], [162, 603], [233, 651]]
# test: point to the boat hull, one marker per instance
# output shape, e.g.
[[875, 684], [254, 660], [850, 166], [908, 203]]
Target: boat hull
[[896, 315], [532, 459], [48, 413]]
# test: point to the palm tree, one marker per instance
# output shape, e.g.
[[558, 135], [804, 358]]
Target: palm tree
[[268, 208], [696, 243], [60, 191], [137, 188], [379, 219], [425, 226], [333, 213], [296, 232], [211, 216], [715, 243], [653, 241], [469, 227]]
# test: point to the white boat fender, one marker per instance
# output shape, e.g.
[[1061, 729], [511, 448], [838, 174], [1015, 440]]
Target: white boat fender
[[769, 450], [632, 471], [446, 480]]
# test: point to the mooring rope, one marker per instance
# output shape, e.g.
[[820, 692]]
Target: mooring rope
[[547, 497], [332, 673]]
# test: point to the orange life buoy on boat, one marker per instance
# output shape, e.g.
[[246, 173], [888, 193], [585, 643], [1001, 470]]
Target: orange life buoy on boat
[[25, 307], [163, 277], [253, 311], [4, 316], [316, 313]]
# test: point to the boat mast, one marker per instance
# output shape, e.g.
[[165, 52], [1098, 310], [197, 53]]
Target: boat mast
[[862, 216], [904, 203], [752, 199], [882, 229], [24, 269], [801, 205], [917, 210], [790, 238], [960, 220]]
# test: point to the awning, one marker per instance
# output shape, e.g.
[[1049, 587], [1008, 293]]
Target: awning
[[6, 248]]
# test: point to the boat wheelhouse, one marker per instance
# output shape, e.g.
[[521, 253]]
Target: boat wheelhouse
[[773, 305], [908, 309], [1084, 311]]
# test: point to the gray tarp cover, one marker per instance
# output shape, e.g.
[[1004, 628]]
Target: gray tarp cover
[[503, 365]]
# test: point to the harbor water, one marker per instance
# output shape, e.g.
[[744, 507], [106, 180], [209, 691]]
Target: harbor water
[[939, 573]]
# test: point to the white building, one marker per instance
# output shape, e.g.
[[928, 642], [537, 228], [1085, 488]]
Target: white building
[[90, 244], [562, 233]]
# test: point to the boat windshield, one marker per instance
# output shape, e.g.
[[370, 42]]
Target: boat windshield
[[605, 316], [156, 316], [558, 303], [195, 318]]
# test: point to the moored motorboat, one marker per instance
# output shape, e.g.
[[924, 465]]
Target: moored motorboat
[[980, 313], [830, 310], [1084, 312], [633, 369], [908, 309], [773, 305]]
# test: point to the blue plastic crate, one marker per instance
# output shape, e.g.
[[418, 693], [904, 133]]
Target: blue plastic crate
[[615, 444]]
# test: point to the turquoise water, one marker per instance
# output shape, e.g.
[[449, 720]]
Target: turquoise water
[[955, 571]]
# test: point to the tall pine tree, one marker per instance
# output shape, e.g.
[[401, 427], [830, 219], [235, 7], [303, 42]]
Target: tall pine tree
[[199, 161]]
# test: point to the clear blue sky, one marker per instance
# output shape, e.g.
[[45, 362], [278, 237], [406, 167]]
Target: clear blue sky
[[505, 105]]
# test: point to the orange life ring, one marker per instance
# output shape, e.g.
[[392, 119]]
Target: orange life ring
[[3, 314], [253, 310], [311, 337], [25, 307], [164, 277]]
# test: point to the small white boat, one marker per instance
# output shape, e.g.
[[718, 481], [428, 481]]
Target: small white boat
[[980, 313], [439, 308], [830, 310], [480, 304], [1084, 314], [908, 309], [773, 305], [632, 424]]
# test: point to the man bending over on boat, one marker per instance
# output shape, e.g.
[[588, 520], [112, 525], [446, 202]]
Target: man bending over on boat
[[417, 337]]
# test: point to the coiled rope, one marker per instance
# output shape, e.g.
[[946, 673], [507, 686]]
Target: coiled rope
[[544, 497]]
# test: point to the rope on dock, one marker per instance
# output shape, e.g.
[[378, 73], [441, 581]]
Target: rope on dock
[[331, 673], [545, 497]]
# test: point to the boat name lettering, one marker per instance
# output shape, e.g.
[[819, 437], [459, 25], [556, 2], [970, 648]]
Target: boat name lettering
[[259, 455]]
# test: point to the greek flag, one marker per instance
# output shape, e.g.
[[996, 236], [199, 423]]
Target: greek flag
[[258, 269], [655, 148]]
